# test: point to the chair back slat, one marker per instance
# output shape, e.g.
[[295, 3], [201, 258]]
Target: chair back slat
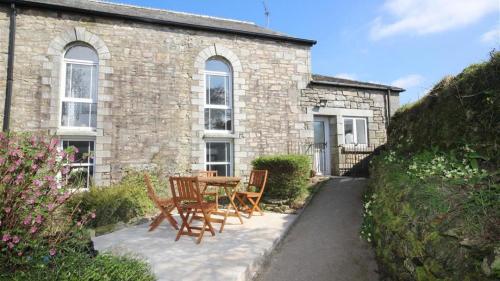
[[150, 190], [258, 179], [185, 189], [207, 174]]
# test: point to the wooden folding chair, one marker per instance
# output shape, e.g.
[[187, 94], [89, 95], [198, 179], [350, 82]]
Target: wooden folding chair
[[189, 201], [164, 205], [204, 187], [258, 179]]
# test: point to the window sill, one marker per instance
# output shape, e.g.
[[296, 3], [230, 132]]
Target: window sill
[[77, 132], [219, 135]]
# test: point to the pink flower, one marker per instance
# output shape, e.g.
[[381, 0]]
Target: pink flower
[[16, 239], [11, 168], [19, 179], [53, 143], [65, 170], [38, 219], [7, 209], [27, 220], [33, 229], [2, 160], [37, 183], [20, 253], [79, 223], [92, 215], [52, 252], [34, 167], [30, 201], [11, 245], [51, 206], [39, 155], [6, 237]]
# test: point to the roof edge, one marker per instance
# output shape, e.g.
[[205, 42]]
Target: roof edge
[[285, 38], [355, 84]]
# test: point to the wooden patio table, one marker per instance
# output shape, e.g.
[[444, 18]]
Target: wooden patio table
[[228, 184]]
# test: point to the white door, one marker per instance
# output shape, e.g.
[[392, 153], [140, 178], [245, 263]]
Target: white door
[[321, 148]]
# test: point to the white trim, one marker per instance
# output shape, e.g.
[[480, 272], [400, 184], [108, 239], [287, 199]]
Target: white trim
[[326, 128], [88, 164], [228, 96], [355, 131], [231, 154], [62, 91], [343, 112]]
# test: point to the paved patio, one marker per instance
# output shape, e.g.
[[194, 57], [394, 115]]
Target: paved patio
[[234, 254]]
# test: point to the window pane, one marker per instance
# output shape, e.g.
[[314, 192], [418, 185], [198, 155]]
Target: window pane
[[319, 132], [79, 52], [217, 119], [79, 81], [85, 152], [361, 131], [218, 152], [216, 64], [217, 90], [222, 170], [348, 131], [76, 114]]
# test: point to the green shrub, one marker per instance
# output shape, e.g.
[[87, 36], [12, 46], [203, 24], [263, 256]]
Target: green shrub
[[288, 175], [119, 202], [78, 266], [433, 222], [458, 111]]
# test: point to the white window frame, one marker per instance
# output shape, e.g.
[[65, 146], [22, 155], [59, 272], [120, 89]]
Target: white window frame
[[231, 157], [228, 98], [355, 131], [88, 164], [63, 97]]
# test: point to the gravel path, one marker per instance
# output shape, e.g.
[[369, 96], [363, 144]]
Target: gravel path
[[324, 244]]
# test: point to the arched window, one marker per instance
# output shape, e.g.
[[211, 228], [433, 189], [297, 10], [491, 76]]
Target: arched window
[[79, 97], [219, 95]]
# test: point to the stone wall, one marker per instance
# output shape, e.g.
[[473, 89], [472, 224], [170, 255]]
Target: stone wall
[[348, 102], [149, 89]]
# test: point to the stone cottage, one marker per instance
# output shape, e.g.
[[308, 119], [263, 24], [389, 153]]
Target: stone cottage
[[139, 88]]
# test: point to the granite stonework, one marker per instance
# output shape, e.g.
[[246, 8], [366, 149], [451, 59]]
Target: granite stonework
[[341, 101], [151, 90]]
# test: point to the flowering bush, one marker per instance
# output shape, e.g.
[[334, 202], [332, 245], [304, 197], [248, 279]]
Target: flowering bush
[[33, 186]]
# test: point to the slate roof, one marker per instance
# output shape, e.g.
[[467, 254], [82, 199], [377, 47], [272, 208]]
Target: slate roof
[[334, 81], [163, 17]]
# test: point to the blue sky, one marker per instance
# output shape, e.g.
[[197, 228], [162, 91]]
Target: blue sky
[[407, 43]]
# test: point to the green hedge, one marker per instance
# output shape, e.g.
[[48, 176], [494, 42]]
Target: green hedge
[[288, 175], [119, 202], [432, 209], [461, 110]]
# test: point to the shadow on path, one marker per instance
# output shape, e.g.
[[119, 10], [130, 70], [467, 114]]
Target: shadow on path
[[324, 244]]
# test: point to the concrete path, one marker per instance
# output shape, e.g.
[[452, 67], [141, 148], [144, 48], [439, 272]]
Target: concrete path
[[324, 243], [234, 254]]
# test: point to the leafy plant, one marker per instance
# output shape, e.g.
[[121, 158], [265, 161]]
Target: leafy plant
[[288, 175], [33, 188], [119, 202]]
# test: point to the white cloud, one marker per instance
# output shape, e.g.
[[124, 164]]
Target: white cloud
[[492, 36], [409, 81], [429, 16], [349, 76]]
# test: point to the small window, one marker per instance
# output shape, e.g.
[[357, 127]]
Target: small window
[[355, 131], [82, 169], [218, 157], [218, 98], [79, 98]]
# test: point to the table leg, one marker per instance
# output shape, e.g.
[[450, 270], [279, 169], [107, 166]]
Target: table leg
[[231, 196]]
